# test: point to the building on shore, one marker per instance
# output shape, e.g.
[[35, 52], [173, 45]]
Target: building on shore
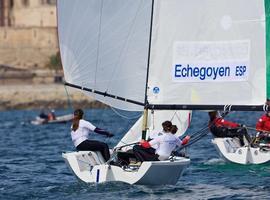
[[28, 34], [28, 13]]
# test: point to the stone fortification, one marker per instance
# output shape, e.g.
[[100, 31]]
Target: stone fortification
[[27, 47]]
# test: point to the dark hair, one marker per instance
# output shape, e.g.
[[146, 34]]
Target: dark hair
[[78, 114], [167, 126], [174, 129]]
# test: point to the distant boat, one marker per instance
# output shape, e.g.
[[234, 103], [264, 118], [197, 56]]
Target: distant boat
[[58, 119]]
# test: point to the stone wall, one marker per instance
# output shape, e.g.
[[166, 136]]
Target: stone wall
[[34, 14], [27, 48]]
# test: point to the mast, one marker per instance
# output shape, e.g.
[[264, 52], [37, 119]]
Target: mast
[[145, 112]]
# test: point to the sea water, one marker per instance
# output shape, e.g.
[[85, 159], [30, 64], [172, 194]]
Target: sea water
[[31, 166]]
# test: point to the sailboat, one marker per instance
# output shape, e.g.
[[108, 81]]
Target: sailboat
[[105, 49], [161, 56]]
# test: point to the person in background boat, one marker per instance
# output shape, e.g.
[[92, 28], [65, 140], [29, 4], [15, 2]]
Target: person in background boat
[[51, 115], [166, 143], [79, 132], [43, 115], [223, 128], [263, 128]]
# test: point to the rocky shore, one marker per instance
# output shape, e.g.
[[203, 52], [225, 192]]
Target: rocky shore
[[37, 96]]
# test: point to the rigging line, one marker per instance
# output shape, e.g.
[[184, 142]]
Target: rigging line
[[194, 140], [68, 98], [200, 134], [98, 44], [255, 129], [123, 116], [201, 130], [125, 45], [174, 115]]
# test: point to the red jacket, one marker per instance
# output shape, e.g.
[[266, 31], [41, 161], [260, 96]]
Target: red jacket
[[263, 123], [220, 122]]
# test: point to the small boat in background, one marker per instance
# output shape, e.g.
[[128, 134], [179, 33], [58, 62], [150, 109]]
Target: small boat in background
[[51, 118]]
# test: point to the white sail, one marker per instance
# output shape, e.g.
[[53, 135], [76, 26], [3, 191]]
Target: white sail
[[104, 46], [208, 52], [198, 48]]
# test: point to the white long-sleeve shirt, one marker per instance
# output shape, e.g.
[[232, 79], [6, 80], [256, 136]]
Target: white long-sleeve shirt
[[81, 134], [165, 143], [153, 135]]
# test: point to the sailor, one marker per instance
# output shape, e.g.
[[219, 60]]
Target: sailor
[[125, 158], [263, 126], [42, 115], [51, 115], [166, 143], [166, 125], [79, 131], [223, 128]]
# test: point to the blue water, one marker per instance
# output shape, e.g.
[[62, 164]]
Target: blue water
[[31, 166]]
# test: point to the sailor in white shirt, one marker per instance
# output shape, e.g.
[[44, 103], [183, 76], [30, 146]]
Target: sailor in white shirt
[[166, 125], [165, 144], [79, 134]]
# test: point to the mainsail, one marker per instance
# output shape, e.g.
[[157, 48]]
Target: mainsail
[[208, 52], [201, 52]]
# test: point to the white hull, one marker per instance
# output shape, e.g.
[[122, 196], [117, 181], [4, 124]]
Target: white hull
[[89, 167], [230, 150]]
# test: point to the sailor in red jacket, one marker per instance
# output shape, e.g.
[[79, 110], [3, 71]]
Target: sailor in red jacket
[[263, 123], [263, 126], [223, 128]]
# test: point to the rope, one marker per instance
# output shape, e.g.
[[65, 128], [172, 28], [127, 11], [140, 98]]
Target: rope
[[195, 137], [258, 130], [123, 116], [68, 98]]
